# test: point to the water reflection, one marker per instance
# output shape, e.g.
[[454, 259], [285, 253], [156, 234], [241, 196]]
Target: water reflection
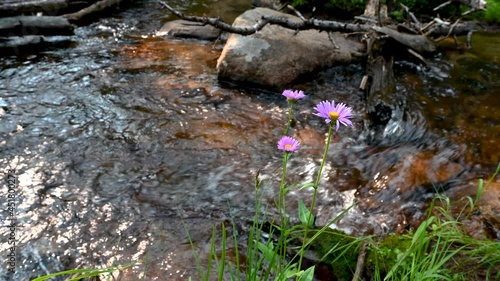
[[115, 147]]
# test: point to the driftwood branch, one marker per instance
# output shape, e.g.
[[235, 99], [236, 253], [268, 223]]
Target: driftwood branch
[[94, 8], [321, 25], [361, 263], [474, 5], [46, 7], [417, 42], [32, 25], [216, 22], [411, 15], [297, 13]]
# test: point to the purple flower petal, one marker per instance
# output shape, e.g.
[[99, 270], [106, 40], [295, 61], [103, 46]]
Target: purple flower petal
[[293, 95], [340, 113], [288, 144]]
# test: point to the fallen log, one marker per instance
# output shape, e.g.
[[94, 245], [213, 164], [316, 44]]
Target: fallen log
[[33, 25], [46, 7], [417, 42], [94, 8]]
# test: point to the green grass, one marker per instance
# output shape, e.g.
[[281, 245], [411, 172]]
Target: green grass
[[439, 249], [492, 13], [79, 274]]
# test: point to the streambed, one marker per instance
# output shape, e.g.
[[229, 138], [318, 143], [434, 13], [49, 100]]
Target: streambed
[[118, 137]]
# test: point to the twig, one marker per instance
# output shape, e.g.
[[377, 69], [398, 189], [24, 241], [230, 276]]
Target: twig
[[365, 19], [427, 26], [364, 81], [305, 24], [283, 22], [451, 28], [457, 43], [331, 40], [442, 5], [412, 16], [438, 21], [296, 12], [216, 22], [361, 262], [469, 37], [417, 55], [94, 8]]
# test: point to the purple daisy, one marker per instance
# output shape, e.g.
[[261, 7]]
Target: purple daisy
[[288, 144], [293, 95], [331, 112]]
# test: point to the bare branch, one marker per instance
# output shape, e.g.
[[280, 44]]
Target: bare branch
[[360, 263], [366, 19], [412, 16], [306, 24], [94, 8], [417, 55], [469, 36], [416, 42], [442, 5], [297, 13], [320, 25], [474, 5], [216, 22]]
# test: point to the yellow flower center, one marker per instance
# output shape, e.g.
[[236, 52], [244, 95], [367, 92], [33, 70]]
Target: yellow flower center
[[334, 115], [288, 146]]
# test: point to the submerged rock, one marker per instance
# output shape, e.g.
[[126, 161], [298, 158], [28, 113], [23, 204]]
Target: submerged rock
[[484, 221], [189, 29], [277, 57], [405, 173]]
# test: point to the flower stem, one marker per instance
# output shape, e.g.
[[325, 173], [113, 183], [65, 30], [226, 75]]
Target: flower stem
[[282, 210], [289, 122], [316, 184]]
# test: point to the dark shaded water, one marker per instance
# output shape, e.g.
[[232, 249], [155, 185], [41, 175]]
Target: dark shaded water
[[119, 136]]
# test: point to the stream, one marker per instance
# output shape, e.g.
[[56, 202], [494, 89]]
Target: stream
[[120, 139]]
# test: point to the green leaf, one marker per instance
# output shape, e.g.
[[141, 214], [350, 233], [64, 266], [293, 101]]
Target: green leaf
[[290, 271], [480, 188], [267, 251], [307, 275], [84, 272], [307, 185], [305, 215]]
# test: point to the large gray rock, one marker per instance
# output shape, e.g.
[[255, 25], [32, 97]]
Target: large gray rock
[[277, 57]]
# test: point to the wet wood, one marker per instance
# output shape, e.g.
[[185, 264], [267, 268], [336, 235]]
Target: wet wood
[[372, 8], [417, 42], [382, 76], [33, 25], [46, 7], [95, 8], [361, 263]]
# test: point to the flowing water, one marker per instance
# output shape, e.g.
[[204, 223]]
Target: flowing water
[[118, 138]]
